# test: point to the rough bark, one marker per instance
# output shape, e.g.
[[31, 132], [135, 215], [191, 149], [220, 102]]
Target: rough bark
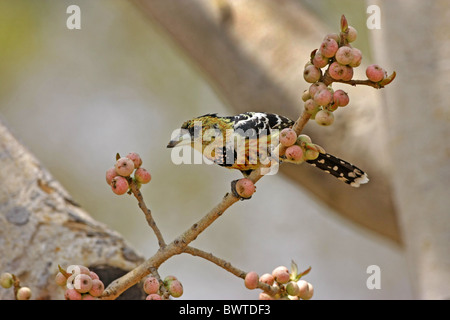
[[253, 52], [41, 226]]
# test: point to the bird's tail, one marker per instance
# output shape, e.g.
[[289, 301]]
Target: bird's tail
[[341, 169]]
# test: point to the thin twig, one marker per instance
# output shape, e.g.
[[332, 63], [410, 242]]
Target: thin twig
[[147, 212], [177, 246]]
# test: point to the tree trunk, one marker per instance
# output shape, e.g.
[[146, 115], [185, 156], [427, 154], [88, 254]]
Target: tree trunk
[[41, 227], [415, 38]]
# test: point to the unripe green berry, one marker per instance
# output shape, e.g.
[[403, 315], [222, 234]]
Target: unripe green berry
[[6, 280], [175, 288], [292, 288]]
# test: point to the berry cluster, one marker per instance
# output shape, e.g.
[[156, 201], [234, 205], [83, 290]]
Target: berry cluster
[[289, 284], [81, 283], [7, 280], [337, 53], [152, 287], [118, 177], [293, 148], [298, 148]]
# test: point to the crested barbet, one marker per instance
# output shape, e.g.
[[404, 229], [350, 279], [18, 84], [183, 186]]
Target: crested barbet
[[215, 136]]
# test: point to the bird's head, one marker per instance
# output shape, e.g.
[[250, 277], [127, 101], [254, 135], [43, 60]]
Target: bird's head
[[203, 129]]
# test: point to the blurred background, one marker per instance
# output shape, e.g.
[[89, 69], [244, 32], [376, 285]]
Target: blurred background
[[77, 97]]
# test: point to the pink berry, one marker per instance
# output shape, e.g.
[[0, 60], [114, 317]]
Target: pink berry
[[323, 97], [142, 175], [294, 153], [315, 87], [60, 279], [267, 278], [310, 106], [375, 73], [310, 292], [24, 293], [93, 275], [352, 34], [281, 274], [328, 47], [119, 185], [344, 55], [347, 75], [336, 70], [251, 280], [153, 296], [110, 174], [137, 161], [357, 57], [324, 118], [265, 296], [72, 294], [124, 167], [175, 288], [82, 283], [340, 97], [80, 269], [288, 137], [311, 74], [245, 188], [319, 61], [303, 288], [151, 285], [97, 288]]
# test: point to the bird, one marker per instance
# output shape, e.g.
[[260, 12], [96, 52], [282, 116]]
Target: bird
[[216, 138]]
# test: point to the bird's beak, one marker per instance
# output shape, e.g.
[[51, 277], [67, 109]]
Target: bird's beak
[[173, 143], [179, 137]]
